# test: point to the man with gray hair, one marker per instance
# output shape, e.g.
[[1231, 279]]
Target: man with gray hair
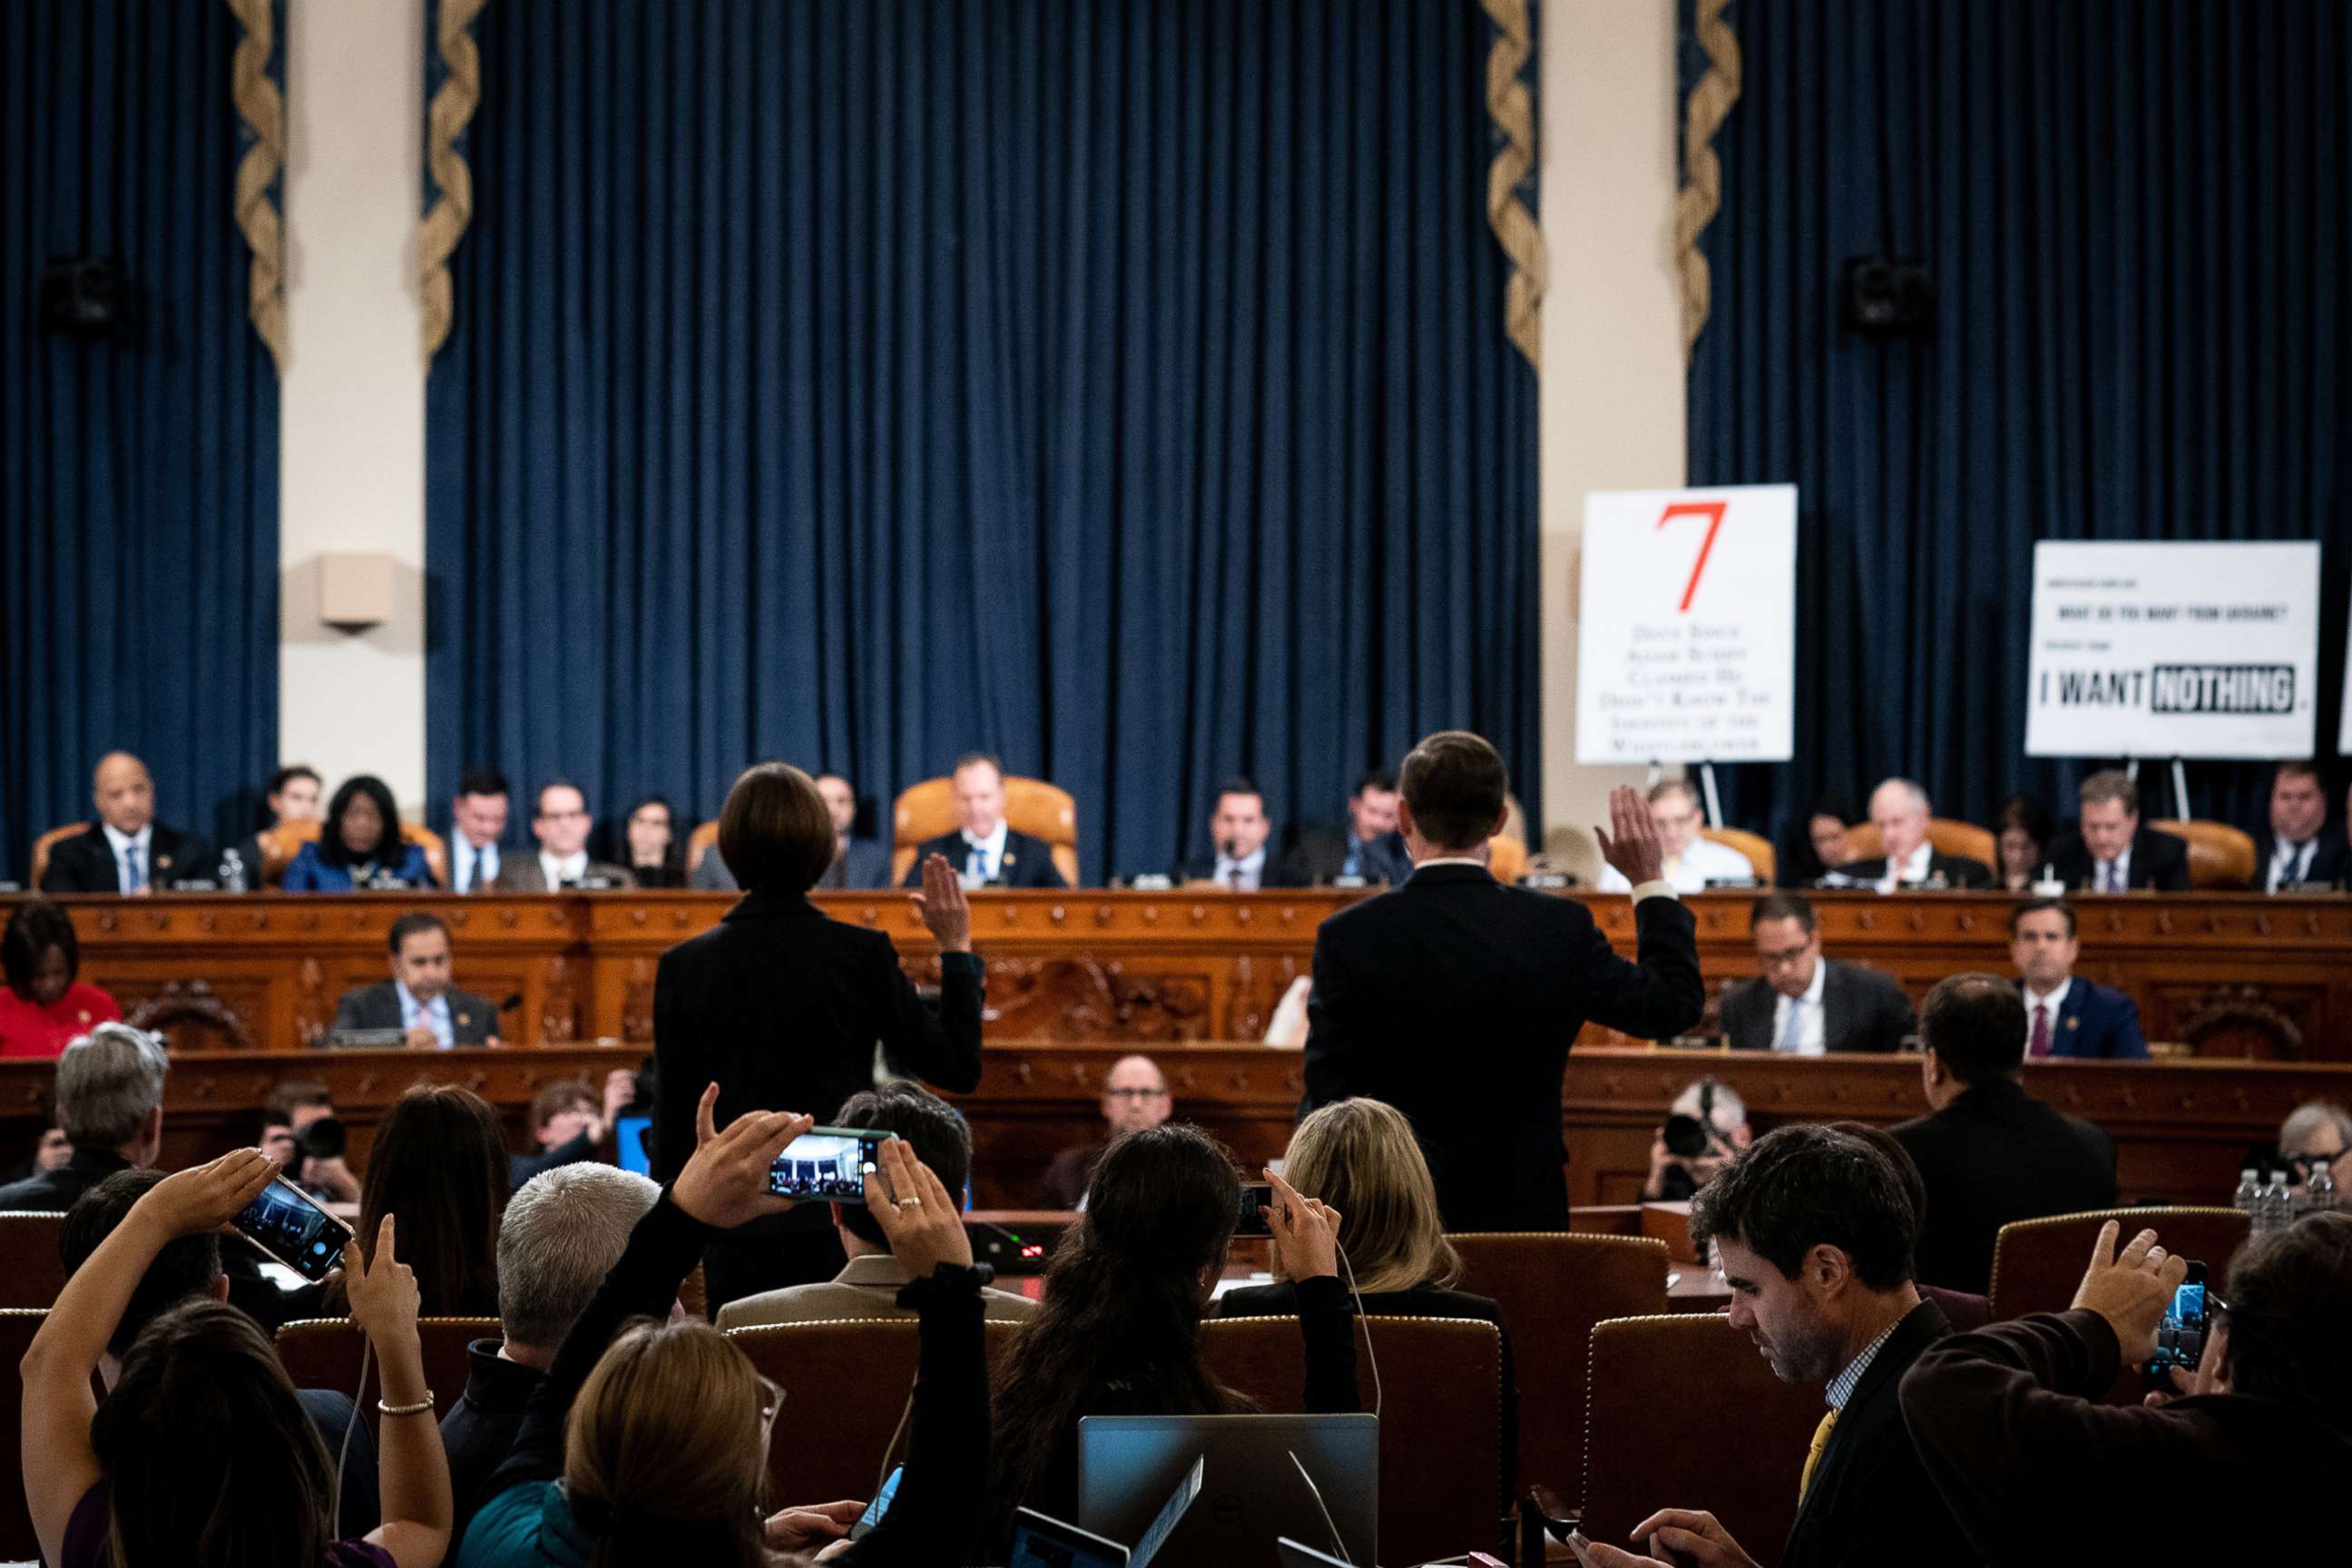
[[561, 1234], [2318, 1133], [1902, 813], [111, 1108]]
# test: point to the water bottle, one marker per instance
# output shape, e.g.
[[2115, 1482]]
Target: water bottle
[[232, 872], [2319, 1189], [2278, 1204], [2248, 1200]]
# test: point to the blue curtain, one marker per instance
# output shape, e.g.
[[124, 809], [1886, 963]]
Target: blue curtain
[[1118, 386], [2136, 217], [139, 477]]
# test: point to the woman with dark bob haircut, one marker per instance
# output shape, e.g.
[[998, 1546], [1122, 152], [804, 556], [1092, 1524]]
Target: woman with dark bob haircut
[[46, 1004], [359, 845], [781, 1004]]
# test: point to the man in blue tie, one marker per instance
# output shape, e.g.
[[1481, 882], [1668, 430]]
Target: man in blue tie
[[986, 850], [126, 850], [478, 815]]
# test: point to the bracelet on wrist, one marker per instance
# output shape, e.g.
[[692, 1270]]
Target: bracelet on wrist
[[422, 1407]]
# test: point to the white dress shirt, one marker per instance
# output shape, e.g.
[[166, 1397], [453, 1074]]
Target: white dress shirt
[[433, 1014], [2290, 864], [1810, 1016], [1706, 861], [1911, 871], [2054, 1001], [122, 844], [1252, 867], [570, 868], [990, 856], [473, 877]]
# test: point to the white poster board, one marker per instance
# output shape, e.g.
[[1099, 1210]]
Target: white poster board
[[1686, 634], [2173, 650]]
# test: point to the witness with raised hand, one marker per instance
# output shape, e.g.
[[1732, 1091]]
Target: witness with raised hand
[[647, 1440], [202, 1454], [1119, 1330]]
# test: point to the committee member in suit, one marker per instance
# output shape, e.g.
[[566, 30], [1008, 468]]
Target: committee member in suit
[[1454, 998], [126, 850], [1802, 1003], [2066, 1016], [2011, 1424], [560, 825], [1987, 1152], [985, 851], [359, 845], [1692, 862], [1239, 829], [1901, 811], [1366, 848], [1814, 1225], [2298, 848], [857, 862], [868, 1285], [418, 1000], [1134, 1100], [2110, 852], [294, 795], [477, 820], [779, 1005]]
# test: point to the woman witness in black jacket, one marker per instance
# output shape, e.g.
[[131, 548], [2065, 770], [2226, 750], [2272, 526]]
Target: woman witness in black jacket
[[780, 1004]]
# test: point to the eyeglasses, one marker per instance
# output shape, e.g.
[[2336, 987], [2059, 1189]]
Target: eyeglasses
[[1135, 1094]]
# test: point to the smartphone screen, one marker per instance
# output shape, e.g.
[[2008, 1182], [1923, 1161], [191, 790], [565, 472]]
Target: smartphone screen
[[633, 1136], [2180, 1336], [826, 1164], [286, 1224], [1251, 1220], [878, 1507]]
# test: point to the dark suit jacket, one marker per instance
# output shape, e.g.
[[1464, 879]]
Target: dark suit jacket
[[2095, 1021], [1872, 1503], [2008, 1422], [1321, 854], [1028, 862], [53, 1192], [1993, 1155], [1956, 870], [2331, 858], [2158, 860], [1862, 1010], [521, 1168], [1454, 999], [862, 863], [1272, 873], [520, 872], [85, 863], [472, 1019]]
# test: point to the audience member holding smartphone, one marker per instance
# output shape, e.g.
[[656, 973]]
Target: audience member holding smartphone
[[2009, 1422], [1118, 1332], [647, 1441], [202, 1454]]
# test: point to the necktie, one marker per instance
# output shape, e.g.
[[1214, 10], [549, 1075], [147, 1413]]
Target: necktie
[[137, 869], [1236, 878], [2040, 1044], [1813, 1455], [975, 863], [2302, 862], [1796, 1022], [2115, 877]]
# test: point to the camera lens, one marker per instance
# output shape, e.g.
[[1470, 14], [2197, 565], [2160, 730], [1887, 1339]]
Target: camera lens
[[325, 1138], [1685, 1136]]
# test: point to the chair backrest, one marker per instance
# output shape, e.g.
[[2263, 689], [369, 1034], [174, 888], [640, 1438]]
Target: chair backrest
[[1441, 1409], [1949, 837], [1755, 846], [1031, 805], [1655, 1382], [1965, 1311], [280, 844], [46, 842], [2220, 855], [847, 1382], [28, 1242], [1507, 858], [18, 1542], [701, 842], [2037, 1263], [324, 1353], [1552, 1288]]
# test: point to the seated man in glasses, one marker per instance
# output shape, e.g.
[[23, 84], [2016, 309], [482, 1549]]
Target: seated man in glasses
[[1135, 1097]]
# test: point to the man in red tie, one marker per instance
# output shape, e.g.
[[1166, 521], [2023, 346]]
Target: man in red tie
[[2066, 1015]]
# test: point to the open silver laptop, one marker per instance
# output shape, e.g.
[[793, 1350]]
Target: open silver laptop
[[1252, 1492]]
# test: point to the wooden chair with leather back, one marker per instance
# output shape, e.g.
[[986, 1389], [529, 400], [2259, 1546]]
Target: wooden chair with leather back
[[1440, 1392], [1755, 846], [703, 841], [1656, 1383], [1553, 1287], [280, 844], [848, 1380], [2038, 1263], [18, 1542], [1506, 858], [33, 1275], [2220, 855], [324, 1353], [1033, 806], [1948, 837], [46, 842]]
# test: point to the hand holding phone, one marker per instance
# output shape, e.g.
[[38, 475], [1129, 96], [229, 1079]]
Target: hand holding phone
[[725, 1181], [208, 1196], [1306, 1232], [829, 1165], [287, 1223]]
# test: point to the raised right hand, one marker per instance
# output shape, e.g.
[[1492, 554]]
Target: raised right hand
[[2130, 1289], [725, 1183], [942, 906], [1630, 843]]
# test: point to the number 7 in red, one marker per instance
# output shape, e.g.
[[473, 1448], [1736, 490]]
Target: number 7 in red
[[1713, 512]]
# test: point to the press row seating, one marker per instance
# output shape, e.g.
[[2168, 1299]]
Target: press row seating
[[28, 1244], [325, 1353]]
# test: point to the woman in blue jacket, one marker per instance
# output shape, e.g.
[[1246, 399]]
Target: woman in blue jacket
[[360, 846]]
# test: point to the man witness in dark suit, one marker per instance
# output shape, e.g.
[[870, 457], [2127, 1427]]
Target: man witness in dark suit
[[2110, 852], [2010, 1420], [1804, 1004], [1815, 1228], [418, 1000], [1988, 1152], [1454, 998], [2066, 1016], [2298, 848], [477, 818], [560, 825], [1368, 846], [126, 850], [985, 851], [1239, 829], [1901, 811]]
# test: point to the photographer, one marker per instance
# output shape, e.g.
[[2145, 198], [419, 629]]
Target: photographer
[[300, 1130], [1706, 1128]]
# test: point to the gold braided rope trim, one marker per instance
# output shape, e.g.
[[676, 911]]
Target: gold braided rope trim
[[1696, 202], [1512, 108], [263, 107], [445, 222]]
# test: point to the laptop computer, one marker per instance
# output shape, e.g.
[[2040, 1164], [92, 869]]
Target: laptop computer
[[1252, 1492], [1040, 1541], [1294, 1555]]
